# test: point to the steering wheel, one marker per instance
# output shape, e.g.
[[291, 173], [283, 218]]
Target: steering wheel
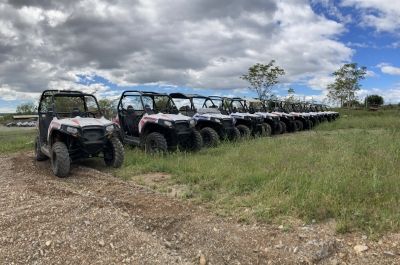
[[91, 113]]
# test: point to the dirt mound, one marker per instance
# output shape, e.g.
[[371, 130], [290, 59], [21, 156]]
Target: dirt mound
[[94, 218]]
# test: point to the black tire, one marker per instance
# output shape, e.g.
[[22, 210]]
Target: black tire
[[234, 134], [38, 153], [60, 161], [277, 129], [194, 142], [260, 131], [155, 143], [309, 124], [244, 131], [267, 128], [300, 125], [210, 137], [114, 153], [292, 126], [283, 127]]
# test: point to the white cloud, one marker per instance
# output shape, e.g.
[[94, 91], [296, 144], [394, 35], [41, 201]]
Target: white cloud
[[389, 69], [201, 43], [383, 15]]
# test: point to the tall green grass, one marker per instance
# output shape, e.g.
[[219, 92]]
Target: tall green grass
[[347, 170], [16, 139]]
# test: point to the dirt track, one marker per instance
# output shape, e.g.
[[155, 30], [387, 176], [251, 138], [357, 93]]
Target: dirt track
[[95, 218]]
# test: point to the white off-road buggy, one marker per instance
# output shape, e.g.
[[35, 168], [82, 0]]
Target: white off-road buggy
[[212, 125], [71, 127], [152, 121], [246, 122]]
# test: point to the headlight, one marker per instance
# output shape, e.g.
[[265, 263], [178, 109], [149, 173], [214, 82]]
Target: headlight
[[218, 120], [72, 130], [110, 128], [168, 123], [192, 123]]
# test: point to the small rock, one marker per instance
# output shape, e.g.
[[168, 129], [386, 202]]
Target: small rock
[[280, 227], [168, 244], [295, 250], [48, 243], [202, 260], [102, 243], [280, 245], [364, 237], [388, 253], [360, 248], [334, 262], [125, 214], [86, 222]]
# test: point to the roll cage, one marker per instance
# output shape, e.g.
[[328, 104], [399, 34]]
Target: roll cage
[[207, 101], [170, 106], [53, 94]]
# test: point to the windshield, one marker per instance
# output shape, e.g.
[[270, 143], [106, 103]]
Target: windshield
[[238, 106], [198, 103], [182, 104], [217, 102], [256, 105], [84, 106]]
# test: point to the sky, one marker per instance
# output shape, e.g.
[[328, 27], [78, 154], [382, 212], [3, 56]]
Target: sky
[[196, 46]]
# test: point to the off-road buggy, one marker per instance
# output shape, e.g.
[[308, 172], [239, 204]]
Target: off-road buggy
[[71, 127], [280, 122], [152, 121], [331, 115], [247, 123], [315, 117], [289, 120], [303, 119], [212, 125]]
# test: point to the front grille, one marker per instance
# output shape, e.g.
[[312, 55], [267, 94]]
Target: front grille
[[181, 126], [93, 134], [227, 123]]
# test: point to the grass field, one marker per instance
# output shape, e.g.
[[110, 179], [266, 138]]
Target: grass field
[[347, 170], [16, 139]]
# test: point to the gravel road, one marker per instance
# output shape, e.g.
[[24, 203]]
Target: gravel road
[[95, 218]]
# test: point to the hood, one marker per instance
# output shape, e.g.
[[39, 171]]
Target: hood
[[242, 115], [82, 122], [300, 114], [208, 116], [167, 117], [266, 114]]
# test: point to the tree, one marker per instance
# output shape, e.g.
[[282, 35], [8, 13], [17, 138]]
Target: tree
[[347, 82], [290, 97], [107, 106], [26, 108], [262, 77], [374, 100]]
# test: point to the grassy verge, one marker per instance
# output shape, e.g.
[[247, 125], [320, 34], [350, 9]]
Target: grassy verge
[[16, 139], [347, 170]]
